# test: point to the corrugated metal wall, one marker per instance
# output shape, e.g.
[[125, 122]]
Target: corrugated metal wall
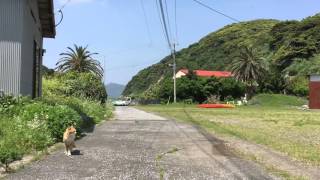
[[31, 34], [11, 28]]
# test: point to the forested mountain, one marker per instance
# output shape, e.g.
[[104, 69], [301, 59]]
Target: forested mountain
[[291, 48]]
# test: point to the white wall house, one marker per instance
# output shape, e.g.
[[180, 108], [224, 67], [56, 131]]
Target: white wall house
[[23, 25]]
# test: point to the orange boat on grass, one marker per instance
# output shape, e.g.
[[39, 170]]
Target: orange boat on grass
[[216, 106]]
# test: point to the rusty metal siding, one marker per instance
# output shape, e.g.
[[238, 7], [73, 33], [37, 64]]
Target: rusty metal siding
[[11, 27]]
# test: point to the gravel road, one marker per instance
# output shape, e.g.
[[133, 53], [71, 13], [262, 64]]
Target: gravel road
[[140, 145]]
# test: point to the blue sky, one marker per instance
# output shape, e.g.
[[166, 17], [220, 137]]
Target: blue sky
[[116, 29]]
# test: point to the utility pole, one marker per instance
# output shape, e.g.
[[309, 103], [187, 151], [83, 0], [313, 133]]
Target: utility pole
[[174, 73]]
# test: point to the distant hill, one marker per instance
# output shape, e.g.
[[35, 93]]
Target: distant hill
[[213, 52], [282, 43], [114, 90]]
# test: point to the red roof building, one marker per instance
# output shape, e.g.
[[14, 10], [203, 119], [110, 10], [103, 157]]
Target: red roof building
[[204, 73]]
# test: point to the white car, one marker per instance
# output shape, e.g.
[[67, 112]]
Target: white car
[[121, 102]]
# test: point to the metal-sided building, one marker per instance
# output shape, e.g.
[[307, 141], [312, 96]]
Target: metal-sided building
[[23, 25]]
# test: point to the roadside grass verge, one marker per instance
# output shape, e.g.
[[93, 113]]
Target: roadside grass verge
[[271, 120]]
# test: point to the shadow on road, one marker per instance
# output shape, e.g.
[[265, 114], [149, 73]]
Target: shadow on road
[[76, 153]]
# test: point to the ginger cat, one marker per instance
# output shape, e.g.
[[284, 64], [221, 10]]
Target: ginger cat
[[68, 139]]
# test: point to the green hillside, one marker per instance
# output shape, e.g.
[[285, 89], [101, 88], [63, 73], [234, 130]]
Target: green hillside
[[282, 43]]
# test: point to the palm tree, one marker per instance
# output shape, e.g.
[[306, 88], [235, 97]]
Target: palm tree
[[80, 60], [249, 68]]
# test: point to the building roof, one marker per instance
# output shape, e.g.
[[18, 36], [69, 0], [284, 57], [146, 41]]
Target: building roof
[[204, 73], [47, 18]]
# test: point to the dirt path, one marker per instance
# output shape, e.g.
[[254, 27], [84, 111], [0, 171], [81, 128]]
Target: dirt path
[[140, 145]]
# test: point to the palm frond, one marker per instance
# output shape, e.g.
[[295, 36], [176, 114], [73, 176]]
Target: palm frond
[[79, 59]]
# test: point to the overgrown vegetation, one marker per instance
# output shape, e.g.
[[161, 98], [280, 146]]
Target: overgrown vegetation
[[271, 120], [198, 90], [291, 50], [73, 84], [28, 126]]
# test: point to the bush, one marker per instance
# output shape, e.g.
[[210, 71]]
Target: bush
[[79, 85], [231, 88], [57, 118], [94, 110], [7, 103], [61, 117], [25, 136], [10, 105], [87, 109], [299, 86], [9, 152]]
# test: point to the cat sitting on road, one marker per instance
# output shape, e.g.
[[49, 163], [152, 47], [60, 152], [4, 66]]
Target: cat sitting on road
[[68, 138]]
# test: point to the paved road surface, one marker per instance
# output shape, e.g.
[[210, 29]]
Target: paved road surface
[[134, 147]]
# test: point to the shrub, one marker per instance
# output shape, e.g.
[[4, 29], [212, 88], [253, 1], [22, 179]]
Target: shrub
[[9, 152], [9, 143], [299, 86], [7, 103], [60, 117], [80, 85], [231, 88], [188, 101], [34, 134], [19, 137], [10, 105], [87, 109], [57, 117], [94, 110]]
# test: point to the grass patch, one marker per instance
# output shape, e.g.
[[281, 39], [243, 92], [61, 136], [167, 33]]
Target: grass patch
[[272, 169], [280, 127], [159, 158], [277, 100]]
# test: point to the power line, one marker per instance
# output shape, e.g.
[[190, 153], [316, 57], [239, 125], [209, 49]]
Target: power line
[[168, 19], [129, 66], [60, 12], [61, 19], [172, 47], [146, 21], [165, 24], [159, 15], [216, 11], [64, 5], [129, 49], [175, 22]]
